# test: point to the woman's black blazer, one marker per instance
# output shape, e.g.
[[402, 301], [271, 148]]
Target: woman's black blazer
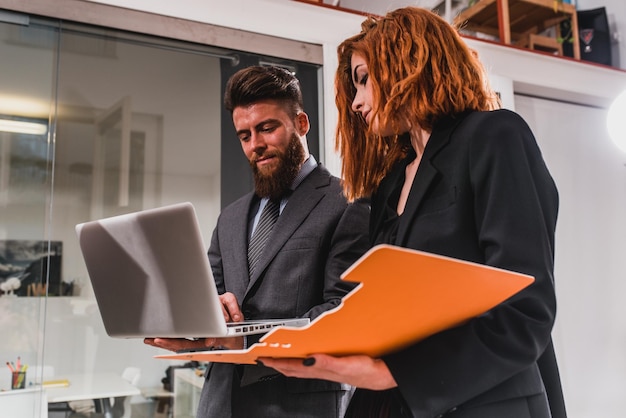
[[482, 193]]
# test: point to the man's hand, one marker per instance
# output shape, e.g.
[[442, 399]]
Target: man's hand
[[360, 371], [230, 308], [199, 344], [180, 344], [232, 313]]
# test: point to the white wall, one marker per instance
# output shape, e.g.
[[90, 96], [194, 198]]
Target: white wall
[[590, 333]]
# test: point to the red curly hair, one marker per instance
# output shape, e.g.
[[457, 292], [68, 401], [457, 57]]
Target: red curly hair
[[421, 70]]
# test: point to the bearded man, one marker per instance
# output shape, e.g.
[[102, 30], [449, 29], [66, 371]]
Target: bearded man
[[295, 273]]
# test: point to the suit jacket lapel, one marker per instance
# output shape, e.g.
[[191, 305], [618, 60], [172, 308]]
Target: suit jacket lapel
[[300, 204], [383, 195], [424, 176], [426, 172], [234, 245]]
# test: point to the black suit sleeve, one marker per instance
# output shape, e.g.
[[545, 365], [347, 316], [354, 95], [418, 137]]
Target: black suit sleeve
[[349, 241]]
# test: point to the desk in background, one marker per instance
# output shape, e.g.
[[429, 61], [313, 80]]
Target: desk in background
[[97, 386], [29, 402], [187, 389], [163, 399]]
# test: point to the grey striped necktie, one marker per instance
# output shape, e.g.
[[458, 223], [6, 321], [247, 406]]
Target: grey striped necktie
[[261, 233]]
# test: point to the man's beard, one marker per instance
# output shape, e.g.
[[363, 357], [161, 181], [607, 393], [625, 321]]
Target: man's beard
[[277, 183]]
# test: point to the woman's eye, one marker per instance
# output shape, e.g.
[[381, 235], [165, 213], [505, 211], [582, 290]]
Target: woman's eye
[[363, 79]]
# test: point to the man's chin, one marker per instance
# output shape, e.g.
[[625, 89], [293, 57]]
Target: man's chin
[[266, 170]]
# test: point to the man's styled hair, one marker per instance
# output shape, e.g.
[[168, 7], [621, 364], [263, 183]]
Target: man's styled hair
[[257, 83]]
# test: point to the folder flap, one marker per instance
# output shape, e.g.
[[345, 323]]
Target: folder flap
[[405, 295]]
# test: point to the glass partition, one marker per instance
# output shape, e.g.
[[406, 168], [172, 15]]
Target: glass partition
[[128, 122], [29, 258]]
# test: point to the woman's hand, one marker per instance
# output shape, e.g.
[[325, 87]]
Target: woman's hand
[[360, 371]]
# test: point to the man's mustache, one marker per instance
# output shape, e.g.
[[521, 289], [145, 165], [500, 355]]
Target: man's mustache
[[265, 155]]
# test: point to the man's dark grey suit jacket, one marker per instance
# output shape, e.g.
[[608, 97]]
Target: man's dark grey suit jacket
[[316, 238]]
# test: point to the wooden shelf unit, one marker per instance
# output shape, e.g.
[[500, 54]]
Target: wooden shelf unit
[[513, 21]]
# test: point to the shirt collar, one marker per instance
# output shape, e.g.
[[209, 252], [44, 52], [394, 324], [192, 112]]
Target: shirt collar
[[307, 167]]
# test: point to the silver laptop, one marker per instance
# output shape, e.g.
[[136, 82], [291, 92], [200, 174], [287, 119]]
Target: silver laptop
[[152, 278]]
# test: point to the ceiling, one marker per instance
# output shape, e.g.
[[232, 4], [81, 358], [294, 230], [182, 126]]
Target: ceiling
[[378, 7]]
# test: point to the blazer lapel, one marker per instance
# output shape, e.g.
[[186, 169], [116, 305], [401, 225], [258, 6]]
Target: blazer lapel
[[424, 176], [234, 244], [383, 194], [426, 172], [300, 204]]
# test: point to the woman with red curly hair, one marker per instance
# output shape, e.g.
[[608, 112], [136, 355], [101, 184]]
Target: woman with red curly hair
[[449, 173]]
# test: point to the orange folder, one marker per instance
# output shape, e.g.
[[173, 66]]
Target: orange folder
[[404, 296]]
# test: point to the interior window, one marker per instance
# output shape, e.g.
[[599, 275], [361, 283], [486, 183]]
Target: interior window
[[125, 122]]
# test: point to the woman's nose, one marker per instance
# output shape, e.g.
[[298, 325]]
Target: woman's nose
[[357, 103]]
